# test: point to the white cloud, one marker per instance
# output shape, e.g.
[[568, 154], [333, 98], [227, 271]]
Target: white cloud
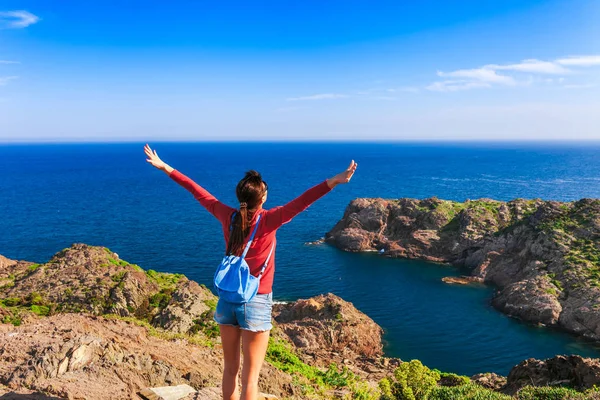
[[17, 19], [9, 62], [481, 75], [513, 74], [456, 85], [5, 79], [580, 61], [321, 96], [532, 66]]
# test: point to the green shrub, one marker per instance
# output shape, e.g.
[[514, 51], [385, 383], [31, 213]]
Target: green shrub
[[469, 391], [450, 379], [549, 393], [281, 356], [212, 304], [11, 301], [206, 325], [34, 299], [164, 280], [40, 310], [160, 299], [413, 381], [12, 319], [118, 277], [33, 267]]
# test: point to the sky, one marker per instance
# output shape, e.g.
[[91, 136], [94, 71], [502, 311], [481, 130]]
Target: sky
[[299, 70]]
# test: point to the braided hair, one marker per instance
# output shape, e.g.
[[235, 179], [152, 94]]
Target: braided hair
[[250, 192]]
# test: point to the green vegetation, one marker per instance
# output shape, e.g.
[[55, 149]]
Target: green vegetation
[[212, 304], [161, 299], [118, 277], [466, 391], [449, 208], [11, 319], [119, 263], [10, 302], [164, 280], [482, 207], [17, 307], [553, 393], [34, 299], [40, 310], [585, 254], [206, 325], [412, 381], [33, 267], [450, 379], [312, 379]]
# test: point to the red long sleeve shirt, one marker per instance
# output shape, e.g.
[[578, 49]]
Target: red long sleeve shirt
[[270, 221]]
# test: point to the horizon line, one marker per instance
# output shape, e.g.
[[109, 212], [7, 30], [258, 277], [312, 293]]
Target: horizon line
[[307, 141]]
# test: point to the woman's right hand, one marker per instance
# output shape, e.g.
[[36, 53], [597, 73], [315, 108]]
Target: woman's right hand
[[344, 176], [155, 160]]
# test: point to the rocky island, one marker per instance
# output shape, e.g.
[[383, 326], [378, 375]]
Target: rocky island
[[543, 256], [88, 325]]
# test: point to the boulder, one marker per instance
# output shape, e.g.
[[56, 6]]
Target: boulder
[[572, 371]]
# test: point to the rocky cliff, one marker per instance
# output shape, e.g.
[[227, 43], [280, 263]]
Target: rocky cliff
[[544, 256], [88, 325]]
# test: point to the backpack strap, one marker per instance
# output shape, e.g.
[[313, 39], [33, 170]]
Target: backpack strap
[[251, 237], [266, 262]]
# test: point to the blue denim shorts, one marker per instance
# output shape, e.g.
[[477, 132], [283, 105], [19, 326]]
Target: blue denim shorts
[[253, 316]]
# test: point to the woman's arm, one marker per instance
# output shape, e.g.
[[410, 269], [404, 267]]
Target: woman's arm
[[221, 211], [278, 216]]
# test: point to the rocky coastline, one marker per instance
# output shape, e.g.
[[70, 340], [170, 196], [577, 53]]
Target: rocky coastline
[[542, 256], [88, 325]]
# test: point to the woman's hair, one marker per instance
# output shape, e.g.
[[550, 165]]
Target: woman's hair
[[249, 191]]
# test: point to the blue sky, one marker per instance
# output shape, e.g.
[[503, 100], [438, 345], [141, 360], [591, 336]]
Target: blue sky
[[311, 70]]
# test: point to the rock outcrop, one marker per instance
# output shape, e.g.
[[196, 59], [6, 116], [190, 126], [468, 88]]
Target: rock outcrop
[[326, 329], [544, 256], [571, 371]]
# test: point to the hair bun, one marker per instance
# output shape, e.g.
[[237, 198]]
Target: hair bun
[[253, 174]]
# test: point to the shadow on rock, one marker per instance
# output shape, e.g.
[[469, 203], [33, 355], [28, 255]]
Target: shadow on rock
[[31, 396]]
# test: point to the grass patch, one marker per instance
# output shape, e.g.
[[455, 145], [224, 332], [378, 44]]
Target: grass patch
[[164, 280], [40, 310], [118, 263], [12, 319], [161, 299], [32, 268], [206, 325], [312, 379], [467, 391], [10, 302]]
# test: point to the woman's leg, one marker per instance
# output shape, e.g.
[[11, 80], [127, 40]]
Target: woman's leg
[[230, 339], [254, 347]]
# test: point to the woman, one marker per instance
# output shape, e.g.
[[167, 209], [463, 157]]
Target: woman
[[250, 322]]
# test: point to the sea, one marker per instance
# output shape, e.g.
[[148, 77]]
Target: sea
[[53, 195]]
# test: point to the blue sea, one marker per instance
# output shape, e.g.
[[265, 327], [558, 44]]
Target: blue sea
[[106, 194]]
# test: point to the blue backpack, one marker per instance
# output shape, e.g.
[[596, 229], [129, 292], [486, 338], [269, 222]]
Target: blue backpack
[[233, 280]]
